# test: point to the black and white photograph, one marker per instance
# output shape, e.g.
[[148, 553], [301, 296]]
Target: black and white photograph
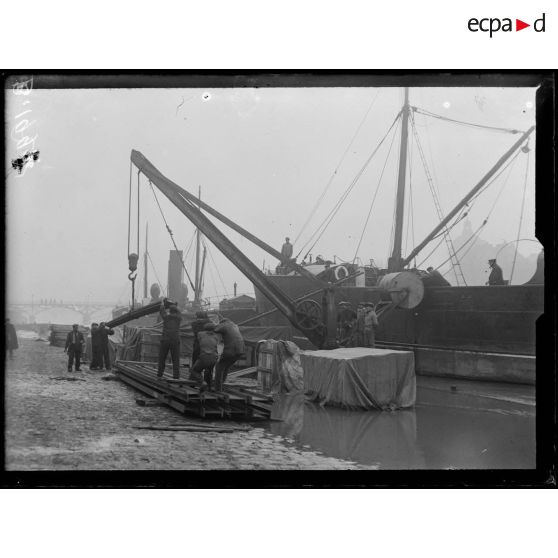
[[276, 272]]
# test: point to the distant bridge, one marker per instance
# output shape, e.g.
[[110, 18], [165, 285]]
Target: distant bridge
[[30, 313]]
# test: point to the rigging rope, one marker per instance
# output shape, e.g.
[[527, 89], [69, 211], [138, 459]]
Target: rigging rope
[[436, 197], [171, 235], [313, 211], [521, 214], [510, 166], [325, 223], [374, 198], [190, 244], [471, 124], [155, 272], [216, 267]]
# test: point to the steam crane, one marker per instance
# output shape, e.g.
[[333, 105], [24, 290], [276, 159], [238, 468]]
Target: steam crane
[[317, 322]]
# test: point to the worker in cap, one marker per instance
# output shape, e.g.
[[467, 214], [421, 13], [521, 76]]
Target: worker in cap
[[74, 348], [207, 357], [103, 333], [286, 251], [96, 348], [170, 340], [233, 350], [370, 325], [496, 276], [346, 324], [359, 331]]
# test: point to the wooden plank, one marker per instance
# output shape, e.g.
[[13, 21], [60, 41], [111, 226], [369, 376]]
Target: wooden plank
[[242, 373], [181, 396]]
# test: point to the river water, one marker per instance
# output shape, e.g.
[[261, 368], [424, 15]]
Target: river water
[[455, 424]]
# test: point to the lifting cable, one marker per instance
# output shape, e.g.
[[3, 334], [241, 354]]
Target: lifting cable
[[312, 213], [463, 123], [527, 149], [374, 198], [326, 222], [171, 235], [133, 257]]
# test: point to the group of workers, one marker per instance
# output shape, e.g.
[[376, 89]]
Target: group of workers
[[100, 355], [357, 328], [354, 329], [205, 355]]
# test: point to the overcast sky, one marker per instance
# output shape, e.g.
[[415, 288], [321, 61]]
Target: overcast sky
[[263, 157]]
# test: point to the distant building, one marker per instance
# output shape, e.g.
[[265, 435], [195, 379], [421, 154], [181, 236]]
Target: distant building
[[238, 302], [238, 308]]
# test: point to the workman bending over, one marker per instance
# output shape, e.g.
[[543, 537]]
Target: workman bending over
[[74, 347], [436, 279], [170, 340], [232, 351], [207, 357], [197, 325], [103, 334]]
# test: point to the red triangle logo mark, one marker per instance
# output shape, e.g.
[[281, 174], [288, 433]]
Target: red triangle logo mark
[[519, 25]]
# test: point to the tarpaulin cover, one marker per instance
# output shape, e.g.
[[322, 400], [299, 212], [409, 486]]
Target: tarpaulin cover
[[360, 377], [284, 367], [252, 334]]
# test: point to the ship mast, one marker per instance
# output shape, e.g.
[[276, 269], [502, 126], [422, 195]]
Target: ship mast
[[395, 262]]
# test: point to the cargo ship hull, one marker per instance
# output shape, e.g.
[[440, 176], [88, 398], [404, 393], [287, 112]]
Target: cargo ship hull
[[477, 332]]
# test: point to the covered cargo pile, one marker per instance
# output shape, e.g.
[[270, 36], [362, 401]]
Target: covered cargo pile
[[58, 334], [360, 378]]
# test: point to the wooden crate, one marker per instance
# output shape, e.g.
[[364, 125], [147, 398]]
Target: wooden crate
[[266, 358]]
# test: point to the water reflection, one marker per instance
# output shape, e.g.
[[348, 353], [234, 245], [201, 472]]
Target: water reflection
[[436, 434], [386, 439]]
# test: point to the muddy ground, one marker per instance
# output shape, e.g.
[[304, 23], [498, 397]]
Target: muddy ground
[[57, 424]]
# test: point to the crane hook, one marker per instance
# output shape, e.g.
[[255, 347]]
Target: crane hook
[[133, 266]]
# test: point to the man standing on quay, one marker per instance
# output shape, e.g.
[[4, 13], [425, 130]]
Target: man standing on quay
[[170, 340], [74, 347]]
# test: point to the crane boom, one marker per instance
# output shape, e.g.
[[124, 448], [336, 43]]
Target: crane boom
[[188, 208]]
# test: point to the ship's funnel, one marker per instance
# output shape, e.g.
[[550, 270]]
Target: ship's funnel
[[405, 289]]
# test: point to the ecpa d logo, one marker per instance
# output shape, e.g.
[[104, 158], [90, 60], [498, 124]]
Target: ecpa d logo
[[492, 25]]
